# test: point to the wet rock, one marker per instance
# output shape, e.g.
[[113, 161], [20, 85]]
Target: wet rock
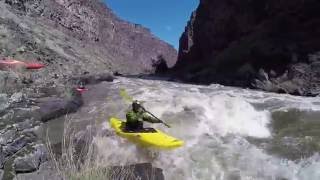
[[31, 162], [266, 85], [294, 81], [290, 87]]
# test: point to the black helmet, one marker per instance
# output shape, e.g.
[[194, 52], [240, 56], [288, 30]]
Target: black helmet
[[81, 85], [136, 105]]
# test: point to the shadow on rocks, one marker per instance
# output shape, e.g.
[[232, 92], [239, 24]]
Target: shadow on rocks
[[54, 107]]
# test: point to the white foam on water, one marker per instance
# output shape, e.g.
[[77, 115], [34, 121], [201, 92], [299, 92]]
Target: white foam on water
[[213, 121], [220, 113]]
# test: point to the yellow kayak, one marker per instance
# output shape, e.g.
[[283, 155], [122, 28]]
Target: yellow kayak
[[148, 138]]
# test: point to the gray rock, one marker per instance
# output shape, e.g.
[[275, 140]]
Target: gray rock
[[266, 85], [273, 73], [2, 157], [27, 124], [4, 104], [17, 145], [9, 82], [41, 153], [17, 115], [283, 77], [262, 75], [31, 162], [7, 137], [1, 174], [46, 171], [291, 88], [26, 164], [56, 107], [17, 97], [31, 131]]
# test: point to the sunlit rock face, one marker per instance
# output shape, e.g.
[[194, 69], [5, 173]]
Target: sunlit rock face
[[82, 34]]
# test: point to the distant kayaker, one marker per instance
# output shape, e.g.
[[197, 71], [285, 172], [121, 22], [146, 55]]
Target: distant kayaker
[[81, 85], [81, 88], [136, 116]]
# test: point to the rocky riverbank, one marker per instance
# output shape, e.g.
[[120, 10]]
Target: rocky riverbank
[[24, 113]]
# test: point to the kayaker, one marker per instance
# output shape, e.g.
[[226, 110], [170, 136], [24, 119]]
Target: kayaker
[[136, 116], [81, 85]]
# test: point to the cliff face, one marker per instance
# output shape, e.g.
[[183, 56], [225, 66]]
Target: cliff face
[[78, 36], [78, 41], [269, 44]]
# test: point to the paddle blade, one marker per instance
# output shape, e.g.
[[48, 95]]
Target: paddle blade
[[125, 96]]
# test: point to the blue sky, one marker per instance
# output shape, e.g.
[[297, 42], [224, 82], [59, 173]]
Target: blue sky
[[165, 18]]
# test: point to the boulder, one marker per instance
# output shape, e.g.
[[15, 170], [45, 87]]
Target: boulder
[[56, 107], [31, 162]]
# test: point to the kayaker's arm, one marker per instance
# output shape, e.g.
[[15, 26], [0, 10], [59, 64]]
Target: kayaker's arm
[[150, 119]]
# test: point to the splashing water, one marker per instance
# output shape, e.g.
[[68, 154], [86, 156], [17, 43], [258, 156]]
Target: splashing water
[[214, 122]]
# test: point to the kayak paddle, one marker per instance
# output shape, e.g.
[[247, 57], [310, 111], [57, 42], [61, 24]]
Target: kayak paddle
[[156, 117]]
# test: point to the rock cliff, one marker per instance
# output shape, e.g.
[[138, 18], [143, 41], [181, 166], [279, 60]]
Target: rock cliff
[[269, 44], [74, 36]]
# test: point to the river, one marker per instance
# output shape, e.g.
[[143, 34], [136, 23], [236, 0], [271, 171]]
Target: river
[[230, 133]]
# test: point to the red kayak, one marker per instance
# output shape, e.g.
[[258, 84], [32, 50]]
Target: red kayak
[[82, 90], [15, 64], [34, 66]]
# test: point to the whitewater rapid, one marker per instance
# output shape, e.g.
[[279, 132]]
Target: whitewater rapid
[[214, 122]]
